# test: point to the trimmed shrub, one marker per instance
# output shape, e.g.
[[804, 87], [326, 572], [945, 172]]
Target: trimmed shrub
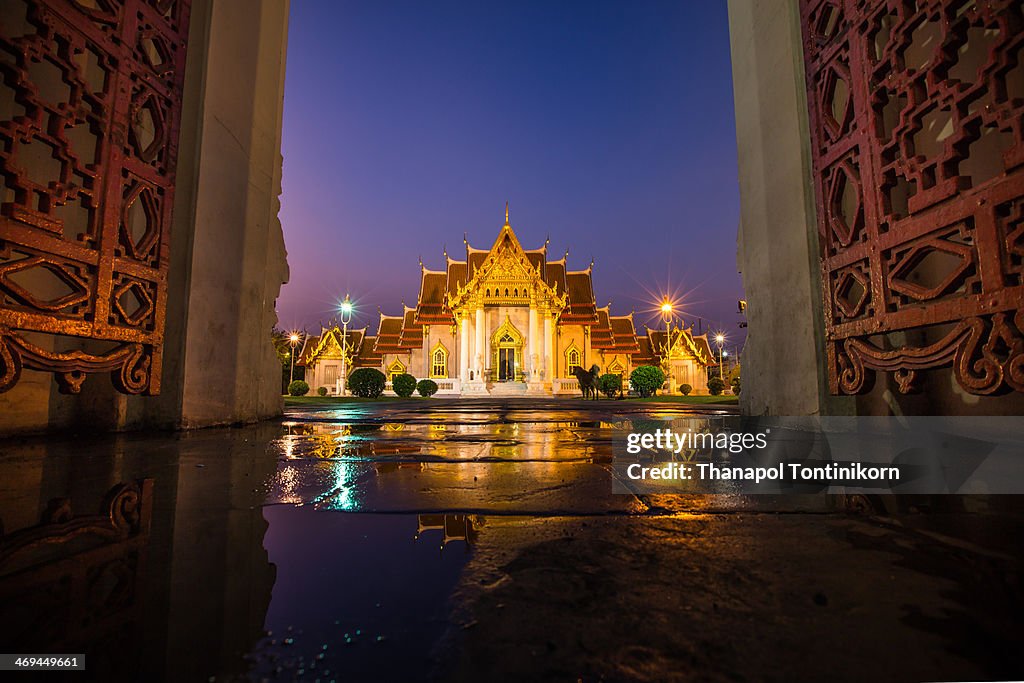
[[685, 389], [426, 388], [322, 391], [716, 385], [736, 385], [646, 380], [367, 382], [609, 384], [298, 388], [404, 384]]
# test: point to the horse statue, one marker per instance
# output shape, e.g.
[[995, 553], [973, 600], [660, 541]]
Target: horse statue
[[588, 381]]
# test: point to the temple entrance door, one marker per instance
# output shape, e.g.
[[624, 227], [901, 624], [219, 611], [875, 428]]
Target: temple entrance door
[[506, 364], [507, 353]]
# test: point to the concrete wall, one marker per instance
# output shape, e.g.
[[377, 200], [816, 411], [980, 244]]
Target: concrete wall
[[783, 361], [237, 257], [227, 249]]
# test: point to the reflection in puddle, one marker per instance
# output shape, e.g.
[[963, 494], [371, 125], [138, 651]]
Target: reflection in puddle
[[358, 597], [561, 440], [452, 527]]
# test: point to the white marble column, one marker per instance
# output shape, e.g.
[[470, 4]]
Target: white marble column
[[549, 348], [480, 351], [471, 358], [463, 347], [534, 357]]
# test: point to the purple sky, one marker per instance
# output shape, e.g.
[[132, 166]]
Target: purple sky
[[607, 125]]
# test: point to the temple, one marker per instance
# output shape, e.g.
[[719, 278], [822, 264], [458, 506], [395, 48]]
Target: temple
[[505, 321]]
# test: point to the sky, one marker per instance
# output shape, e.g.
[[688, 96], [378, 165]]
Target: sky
[[607, 126]]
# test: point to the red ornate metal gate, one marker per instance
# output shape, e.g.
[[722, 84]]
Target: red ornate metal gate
[[917, 138], [90, 100]]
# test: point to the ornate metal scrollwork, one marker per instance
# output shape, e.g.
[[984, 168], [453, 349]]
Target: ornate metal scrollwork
[[125, 514], [917, 140], [90, 102]]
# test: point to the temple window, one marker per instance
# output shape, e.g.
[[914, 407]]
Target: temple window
[[395, 368], [572, 361], [506, 291], [439, 362], [515, 292]]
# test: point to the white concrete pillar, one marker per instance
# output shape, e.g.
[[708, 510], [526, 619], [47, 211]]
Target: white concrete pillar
[[463, 347], [532, 344], [480, 349], [427, 360], [549, 348]]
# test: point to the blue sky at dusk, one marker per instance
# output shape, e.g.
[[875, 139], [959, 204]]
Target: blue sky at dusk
[[607, 125]]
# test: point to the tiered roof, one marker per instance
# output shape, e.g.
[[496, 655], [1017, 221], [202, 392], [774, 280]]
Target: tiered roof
[[614, 333], [329, 344], [437, 285], [652, 346]]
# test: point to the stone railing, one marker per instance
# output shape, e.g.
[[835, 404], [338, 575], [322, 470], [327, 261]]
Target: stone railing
[[565, 386], [445, 387], [449, 387]]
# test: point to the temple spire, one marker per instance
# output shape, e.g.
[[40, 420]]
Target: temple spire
[[506, 213]]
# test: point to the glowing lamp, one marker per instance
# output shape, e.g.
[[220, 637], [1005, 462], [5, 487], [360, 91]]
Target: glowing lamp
[[346, 310]]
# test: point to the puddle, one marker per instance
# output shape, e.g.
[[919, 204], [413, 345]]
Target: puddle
[[358, 597]]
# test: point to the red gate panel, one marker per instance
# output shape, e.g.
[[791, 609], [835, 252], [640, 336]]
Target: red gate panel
[[916, 114], [90, 101]]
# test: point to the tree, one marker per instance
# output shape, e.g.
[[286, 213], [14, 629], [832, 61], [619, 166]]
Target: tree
[[404, 384], [734, 379], [610, 384], [367, 382], [283, 348], [646, 380], [426, 388]]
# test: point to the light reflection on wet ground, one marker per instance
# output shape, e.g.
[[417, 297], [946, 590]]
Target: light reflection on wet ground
[[469, 541], [488, 457]]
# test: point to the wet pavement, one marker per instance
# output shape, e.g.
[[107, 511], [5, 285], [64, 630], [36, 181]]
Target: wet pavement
[[478, 540]]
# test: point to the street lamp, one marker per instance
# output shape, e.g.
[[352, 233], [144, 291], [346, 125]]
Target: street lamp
[[666, 315], [346, 317], [720, 340], [293, 340]]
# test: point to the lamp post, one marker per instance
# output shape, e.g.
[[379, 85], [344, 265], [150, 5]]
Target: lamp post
[[346, 317], [293, 340], [666, 315], [720, 340]]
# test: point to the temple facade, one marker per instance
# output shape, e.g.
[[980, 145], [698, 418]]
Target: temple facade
[[505, 321]]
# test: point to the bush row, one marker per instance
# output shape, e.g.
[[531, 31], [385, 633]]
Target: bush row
[[370, 383]]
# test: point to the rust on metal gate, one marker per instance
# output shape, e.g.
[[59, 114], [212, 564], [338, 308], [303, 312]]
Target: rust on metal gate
[[90, 102], [917, 139]]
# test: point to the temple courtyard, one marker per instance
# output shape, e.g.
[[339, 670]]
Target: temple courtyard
[[479, 540]]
